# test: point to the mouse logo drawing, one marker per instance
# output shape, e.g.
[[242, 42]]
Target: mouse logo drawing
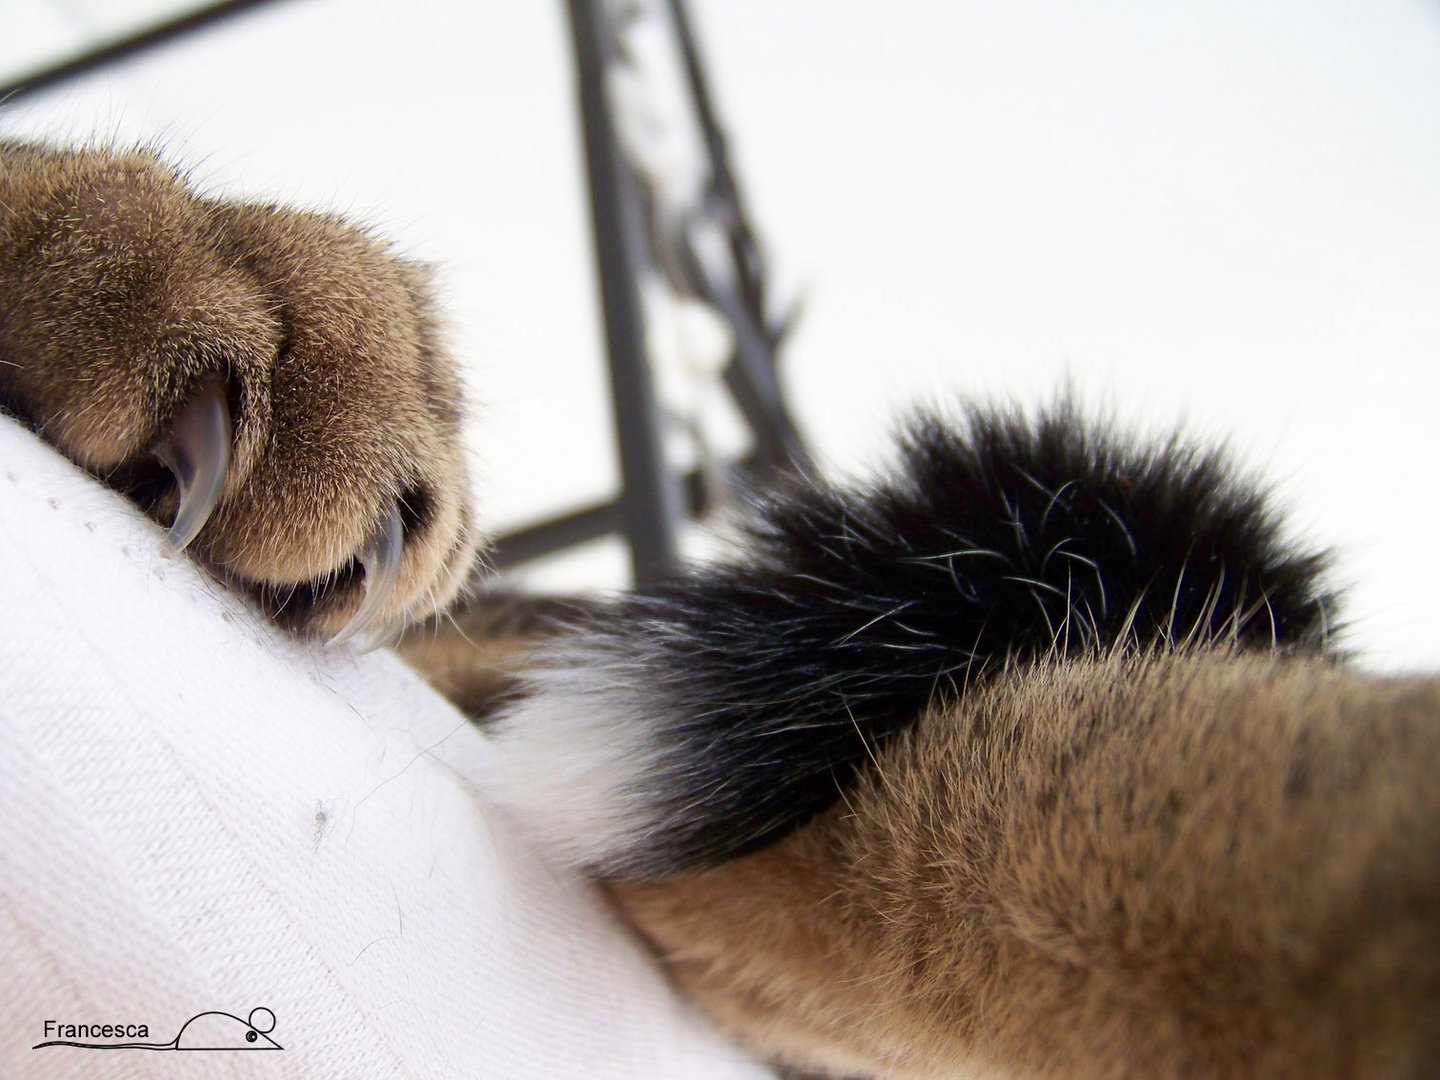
[[204, 1031]]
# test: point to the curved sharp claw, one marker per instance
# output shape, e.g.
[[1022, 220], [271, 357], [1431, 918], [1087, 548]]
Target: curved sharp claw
[[381, 560], [197, 452], [378, 638]]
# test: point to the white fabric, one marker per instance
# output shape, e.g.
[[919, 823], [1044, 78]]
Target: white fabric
[[198, 813]]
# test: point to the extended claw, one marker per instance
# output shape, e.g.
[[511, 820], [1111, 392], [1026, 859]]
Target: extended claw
[[197, 452], [381, 560], [379, 637]]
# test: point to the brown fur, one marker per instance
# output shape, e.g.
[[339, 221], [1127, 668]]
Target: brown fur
[[1193, 866], [1199, 864], [120, 291]]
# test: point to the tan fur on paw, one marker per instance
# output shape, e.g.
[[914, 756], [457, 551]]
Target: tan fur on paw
[[123, 296]]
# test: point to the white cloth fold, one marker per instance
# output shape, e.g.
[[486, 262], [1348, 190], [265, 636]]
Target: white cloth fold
[[198, 813]]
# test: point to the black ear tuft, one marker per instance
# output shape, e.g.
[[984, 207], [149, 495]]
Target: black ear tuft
[[767, 679]]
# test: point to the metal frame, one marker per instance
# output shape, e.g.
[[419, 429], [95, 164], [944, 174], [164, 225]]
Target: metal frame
[[649, 500], [653, 496], [123, 48]]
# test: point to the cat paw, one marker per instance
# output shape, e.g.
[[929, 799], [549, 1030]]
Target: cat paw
[[269, 384]]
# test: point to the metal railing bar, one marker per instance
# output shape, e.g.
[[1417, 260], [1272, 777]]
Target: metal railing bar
[[124, 48]]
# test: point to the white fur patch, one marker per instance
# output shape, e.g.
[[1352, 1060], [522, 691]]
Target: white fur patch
[[576, 760]]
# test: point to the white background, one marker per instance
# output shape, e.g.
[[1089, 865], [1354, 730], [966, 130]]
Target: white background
[[1224, 213]]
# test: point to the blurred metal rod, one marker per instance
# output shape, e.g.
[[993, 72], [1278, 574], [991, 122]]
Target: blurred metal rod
[[751, 374], [649, 501], [743, 247], [602, 519], [751, 379], [113, 52]]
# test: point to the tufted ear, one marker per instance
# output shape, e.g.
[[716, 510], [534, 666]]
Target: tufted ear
[[717, 712]]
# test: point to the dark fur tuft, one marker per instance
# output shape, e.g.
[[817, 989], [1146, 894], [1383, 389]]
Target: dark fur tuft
[[773, 676]]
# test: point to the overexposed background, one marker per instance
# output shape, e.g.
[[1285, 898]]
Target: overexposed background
[[1222, 213]]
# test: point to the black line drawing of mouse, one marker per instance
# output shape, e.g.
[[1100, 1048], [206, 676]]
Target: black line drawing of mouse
[[204, 1031]]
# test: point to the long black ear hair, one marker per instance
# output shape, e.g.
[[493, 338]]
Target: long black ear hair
[[716, 712]]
